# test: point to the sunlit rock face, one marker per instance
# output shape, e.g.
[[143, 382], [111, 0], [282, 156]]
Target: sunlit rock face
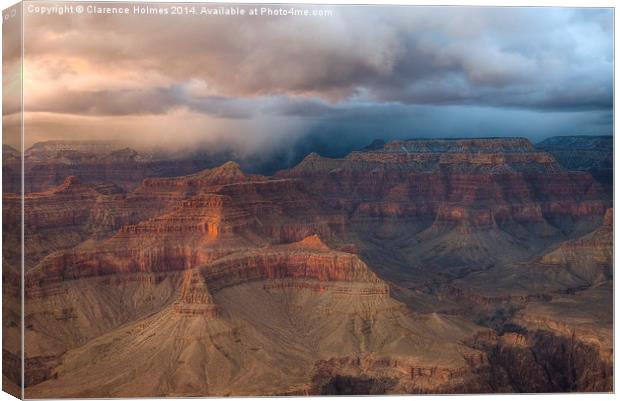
[[422, 266]]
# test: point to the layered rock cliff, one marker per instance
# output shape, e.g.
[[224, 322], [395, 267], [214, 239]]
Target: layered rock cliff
[[411, 266], [589, 256], [585, 153], [292, 303], [455, 204], [47, 164], [409, 178]]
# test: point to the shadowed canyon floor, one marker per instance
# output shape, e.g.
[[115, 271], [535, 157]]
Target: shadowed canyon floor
[[421, 266]]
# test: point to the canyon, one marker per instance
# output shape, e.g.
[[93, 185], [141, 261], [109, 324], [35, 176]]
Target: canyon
[[586, 153], [48, 164], [469, 265]]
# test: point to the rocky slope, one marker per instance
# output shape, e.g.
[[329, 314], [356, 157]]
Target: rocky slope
[[11, 286], [581, 152], [47, 164], [64, 216], [586, 153], [498, 199], [589, 256], [271, 312], [412, 266], [508, 178]]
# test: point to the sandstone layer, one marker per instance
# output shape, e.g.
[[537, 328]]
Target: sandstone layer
[[416, 266]]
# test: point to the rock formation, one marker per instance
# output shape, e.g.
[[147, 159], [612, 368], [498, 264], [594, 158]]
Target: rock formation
[[585, 153], [407, 267], [47, 164]]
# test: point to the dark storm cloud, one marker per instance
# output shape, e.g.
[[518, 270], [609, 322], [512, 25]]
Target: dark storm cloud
[[338, 135], [276, 88], [536, 58]]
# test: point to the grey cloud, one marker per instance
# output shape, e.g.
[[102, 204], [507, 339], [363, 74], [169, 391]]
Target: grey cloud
[[137, 102], [368, 72], [505, 57]]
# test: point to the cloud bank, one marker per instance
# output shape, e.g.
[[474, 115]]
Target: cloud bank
[[365, 72]]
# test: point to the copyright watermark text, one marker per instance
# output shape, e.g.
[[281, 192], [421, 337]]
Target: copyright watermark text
[[180, 9]]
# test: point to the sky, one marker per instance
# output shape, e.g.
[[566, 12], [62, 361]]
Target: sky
[[261, 85]]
